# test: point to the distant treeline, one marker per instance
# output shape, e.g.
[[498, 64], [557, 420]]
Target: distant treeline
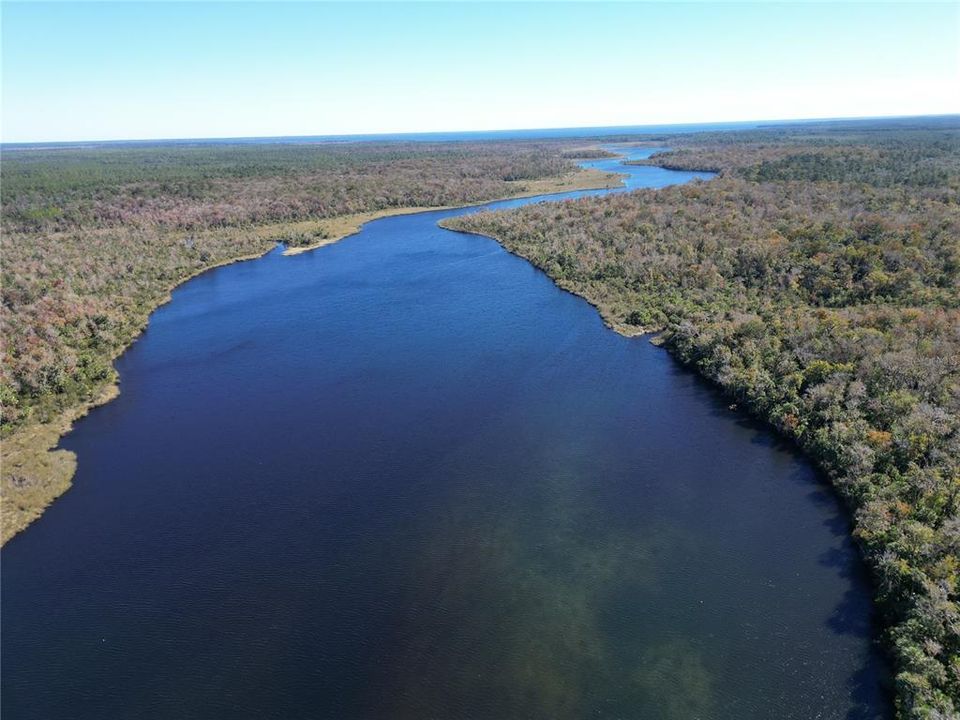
[[590, 152], [198, 186], [817, 282], [907, 159]]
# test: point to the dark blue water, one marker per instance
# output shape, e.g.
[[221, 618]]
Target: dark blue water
[[405, 476]]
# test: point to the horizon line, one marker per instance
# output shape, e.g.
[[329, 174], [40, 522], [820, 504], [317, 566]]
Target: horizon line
[[388, 135]]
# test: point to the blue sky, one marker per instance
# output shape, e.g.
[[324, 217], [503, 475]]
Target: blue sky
[[128, 70]]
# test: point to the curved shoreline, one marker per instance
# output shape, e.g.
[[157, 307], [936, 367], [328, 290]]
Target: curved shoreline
[[353, 224], [35, 446], [37, 472], [343, 226]]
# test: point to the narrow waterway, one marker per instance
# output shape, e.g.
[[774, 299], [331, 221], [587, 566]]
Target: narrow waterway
[[406, 476]]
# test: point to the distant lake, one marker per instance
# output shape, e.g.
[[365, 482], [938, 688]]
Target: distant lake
[[406, 476]]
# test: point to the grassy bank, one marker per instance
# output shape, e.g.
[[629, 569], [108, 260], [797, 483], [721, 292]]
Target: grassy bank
[[816, 282]]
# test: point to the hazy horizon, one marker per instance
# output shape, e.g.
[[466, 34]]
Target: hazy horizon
[[96, 72], [507, 133]]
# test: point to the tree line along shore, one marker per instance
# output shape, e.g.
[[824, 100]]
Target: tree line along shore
[[95, 238], [816, 282]]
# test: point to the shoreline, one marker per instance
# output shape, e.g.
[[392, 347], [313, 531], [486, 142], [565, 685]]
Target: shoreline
[[343, 226], [627, 331], [36, 471], [880, 625], [35, 446]]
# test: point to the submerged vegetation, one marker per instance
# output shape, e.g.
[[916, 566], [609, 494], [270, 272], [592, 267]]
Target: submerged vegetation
[[94, 238], [817, 282]]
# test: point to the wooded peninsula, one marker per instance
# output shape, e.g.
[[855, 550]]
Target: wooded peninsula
[[816, 282]]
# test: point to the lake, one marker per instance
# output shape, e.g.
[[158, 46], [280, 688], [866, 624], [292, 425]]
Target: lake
[[406, 476]]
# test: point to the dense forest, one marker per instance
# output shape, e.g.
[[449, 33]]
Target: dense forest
[[94, 238], [210, 185], [816, 281]]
